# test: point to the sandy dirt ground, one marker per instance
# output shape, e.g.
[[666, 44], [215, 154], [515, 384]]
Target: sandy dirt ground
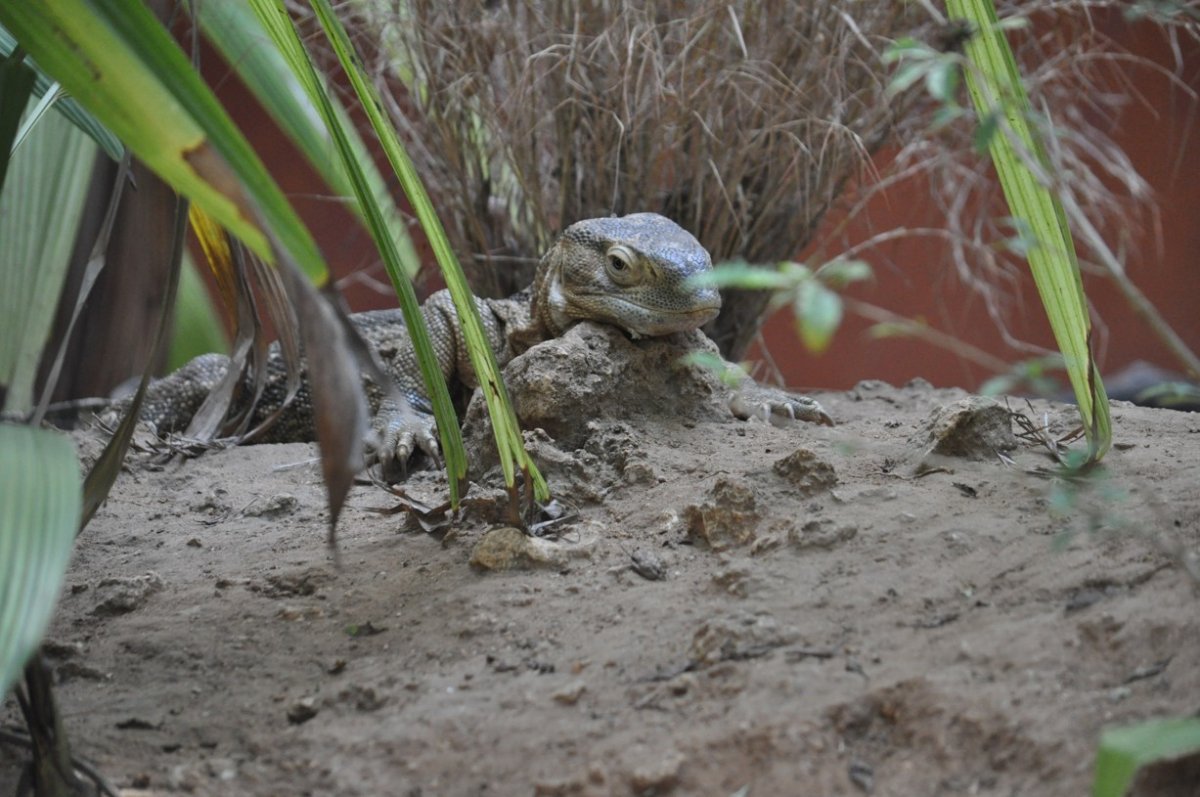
[[730, 608]]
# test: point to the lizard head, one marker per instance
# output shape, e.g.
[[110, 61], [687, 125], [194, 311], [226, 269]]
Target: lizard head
[[631, 272]]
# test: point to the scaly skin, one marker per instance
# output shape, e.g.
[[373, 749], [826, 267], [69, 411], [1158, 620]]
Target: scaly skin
[[631, 272]]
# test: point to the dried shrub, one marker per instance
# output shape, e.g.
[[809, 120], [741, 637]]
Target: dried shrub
[[740, 120]]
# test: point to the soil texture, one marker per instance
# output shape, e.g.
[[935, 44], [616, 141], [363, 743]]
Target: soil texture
[[912, 602]]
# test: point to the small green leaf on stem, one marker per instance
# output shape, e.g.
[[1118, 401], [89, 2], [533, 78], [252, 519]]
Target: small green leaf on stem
[[730, 374], [818, 313], [1123, 751], [740, 274]]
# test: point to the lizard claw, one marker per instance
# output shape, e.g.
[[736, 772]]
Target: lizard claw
[[777, 407], [399, 432]]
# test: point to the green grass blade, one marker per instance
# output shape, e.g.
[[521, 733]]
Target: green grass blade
[[1123, 751], [995, 84], [278, 24], [504, 422], [117, 59], [39, 516], [40, 207], [233, 27], [112, 147]]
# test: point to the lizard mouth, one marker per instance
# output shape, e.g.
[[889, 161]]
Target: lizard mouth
[[651, 322], [665, 322], [646, 320]]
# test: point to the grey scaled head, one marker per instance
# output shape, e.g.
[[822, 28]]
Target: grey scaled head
[[632, 272]]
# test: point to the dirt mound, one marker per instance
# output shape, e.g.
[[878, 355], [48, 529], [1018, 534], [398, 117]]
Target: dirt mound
[[738, 609]]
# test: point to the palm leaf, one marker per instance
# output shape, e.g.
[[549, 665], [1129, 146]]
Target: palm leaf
[[137, 81], [233, 27], [275, 20], [118, 60], [66, 106], [16, 85], [39, 515], [40, 207], [1123, 751]]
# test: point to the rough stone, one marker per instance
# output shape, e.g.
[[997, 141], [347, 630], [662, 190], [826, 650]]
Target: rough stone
[[509, 548], [302, 711], [823, 533], [659, 775], [124, 594], [972, 428], [806, 472], [570, 693], [738, 636], [275, 506], [729, 516], [594, 372]]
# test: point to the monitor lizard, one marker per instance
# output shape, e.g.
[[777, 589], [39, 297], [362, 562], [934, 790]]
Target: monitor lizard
[[632, 272]]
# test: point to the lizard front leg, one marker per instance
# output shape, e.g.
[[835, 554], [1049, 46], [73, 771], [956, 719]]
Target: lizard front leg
[[401, 430]]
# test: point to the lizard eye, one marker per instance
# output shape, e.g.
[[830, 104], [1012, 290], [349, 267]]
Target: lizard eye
[[620, 261]]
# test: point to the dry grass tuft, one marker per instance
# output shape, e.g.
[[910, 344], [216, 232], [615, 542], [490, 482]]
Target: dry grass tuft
[[740, 120]]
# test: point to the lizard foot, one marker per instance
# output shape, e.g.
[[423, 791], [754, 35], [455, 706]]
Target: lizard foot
[[776, 407], [399, 432]]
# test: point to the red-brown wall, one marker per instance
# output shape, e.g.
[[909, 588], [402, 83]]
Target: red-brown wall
[[914, 277]]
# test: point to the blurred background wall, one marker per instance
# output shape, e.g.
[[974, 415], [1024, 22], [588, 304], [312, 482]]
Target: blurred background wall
[[913, 275]]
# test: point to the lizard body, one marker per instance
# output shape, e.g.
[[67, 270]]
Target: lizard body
[[632, 272]]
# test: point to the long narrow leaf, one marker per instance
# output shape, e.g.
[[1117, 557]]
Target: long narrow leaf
[[275, 20], [104, 471], [92, 270], [238, 33], [995, 85], [40, 207], [112, 147], [39, 513], [117, 57], [504, 422], [136, 80], [35, 114]]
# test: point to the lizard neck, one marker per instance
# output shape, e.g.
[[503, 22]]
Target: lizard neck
[[541, 322], [548, 304]]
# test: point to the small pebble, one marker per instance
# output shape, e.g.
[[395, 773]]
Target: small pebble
[[302, 711]]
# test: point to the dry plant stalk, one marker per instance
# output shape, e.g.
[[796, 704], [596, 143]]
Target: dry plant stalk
[[742, 121]]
